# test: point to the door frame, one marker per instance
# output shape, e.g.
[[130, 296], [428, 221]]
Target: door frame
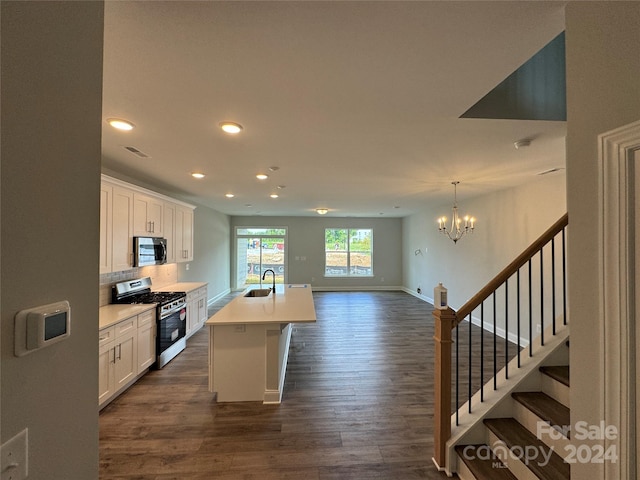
[[237, 236], [617, 150]]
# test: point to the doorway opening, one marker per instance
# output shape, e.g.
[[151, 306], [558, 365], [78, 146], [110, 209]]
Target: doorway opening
[[258, 250]]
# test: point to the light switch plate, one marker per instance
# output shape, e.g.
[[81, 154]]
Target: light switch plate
[[14, 457]]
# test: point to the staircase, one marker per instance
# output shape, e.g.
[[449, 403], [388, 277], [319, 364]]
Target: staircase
[[530, 443], [517, 424]]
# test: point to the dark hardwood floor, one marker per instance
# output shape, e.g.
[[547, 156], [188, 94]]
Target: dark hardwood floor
[[357, 404]]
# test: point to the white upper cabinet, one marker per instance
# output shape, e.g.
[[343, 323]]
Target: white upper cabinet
[[122, 235], [127, 211], [148, 216], [169, 225], [106, 226], [184, 234]]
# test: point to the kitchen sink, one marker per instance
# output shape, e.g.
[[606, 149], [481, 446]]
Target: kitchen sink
[[258, 292]]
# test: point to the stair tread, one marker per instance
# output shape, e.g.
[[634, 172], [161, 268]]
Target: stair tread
[[483, 468], [557, 372], [545, 407], [513, 434]]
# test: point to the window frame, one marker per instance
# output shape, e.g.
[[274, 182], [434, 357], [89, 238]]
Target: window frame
[[245, 232], [348, 252]]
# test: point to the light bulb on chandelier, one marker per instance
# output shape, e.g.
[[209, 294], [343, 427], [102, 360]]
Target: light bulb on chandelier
[[458, 228]]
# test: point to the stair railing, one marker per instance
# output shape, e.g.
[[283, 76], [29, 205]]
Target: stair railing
[[544, 295]]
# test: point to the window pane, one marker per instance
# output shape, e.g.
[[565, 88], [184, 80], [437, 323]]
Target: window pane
[[335, 239], [360, 240], [336, 263], [254, 260], [360, 263]]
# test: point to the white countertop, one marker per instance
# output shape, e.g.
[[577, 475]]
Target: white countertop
[[114, 313], [292, 303], [181, 287]]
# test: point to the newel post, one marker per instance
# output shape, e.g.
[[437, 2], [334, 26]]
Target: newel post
[[444, 321]]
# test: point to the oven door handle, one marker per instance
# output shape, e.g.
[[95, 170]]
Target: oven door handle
[[171, 312]]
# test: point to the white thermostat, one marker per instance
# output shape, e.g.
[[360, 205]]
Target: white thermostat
[[40, 327]]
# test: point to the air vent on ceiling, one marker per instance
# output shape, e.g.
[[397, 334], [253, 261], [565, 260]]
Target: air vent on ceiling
[[137, 152]]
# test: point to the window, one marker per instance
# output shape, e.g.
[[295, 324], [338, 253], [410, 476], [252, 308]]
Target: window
[[257, 250], [348, 252]]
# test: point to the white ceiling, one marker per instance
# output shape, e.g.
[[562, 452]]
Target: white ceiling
[[357, 103]]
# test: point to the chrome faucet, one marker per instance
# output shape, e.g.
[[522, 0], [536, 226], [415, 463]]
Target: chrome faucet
[[273, 288]]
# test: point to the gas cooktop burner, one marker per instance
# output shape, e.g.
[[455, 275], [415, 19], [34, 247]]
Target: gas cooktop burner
[[157, 297], [139, 291]]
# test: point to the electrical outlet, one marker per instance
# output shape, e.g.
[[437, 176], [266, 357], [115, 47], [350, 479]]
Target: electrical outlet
[[14, 457], [538, 328], [187, 267]]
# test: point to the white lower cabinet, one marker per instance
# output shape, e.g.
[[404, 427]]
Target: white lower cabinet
[[146, 340], [126, 351], [196, 309], [106, 357]]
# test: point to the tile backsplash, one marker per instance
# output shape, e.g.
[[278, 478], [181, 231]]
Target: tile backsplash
[[161, 275]]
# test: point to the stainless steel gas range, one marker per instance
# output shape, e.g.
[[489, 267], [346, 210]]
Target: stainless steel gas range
[[171, 315]]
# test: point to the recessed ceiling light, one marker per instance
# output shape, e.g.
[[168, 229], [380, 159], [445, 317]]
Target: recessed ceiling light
[[198, 175], [231, 127], [274, 169], [321, 211], [229, 195], [120, 124], [262, 176], [280, 187], [274, 195]]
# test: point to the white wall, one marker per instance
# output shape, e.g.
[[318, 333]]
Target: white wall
[[603, 93], [306, 239], [51, 121], [508, 221]]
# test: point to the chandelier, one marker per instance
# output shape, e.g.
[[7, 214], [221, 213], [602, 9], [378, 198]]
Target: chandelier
[[459, 226]]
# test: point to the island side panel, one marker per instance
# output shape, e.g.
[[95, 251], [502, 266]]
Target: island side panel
[[239, 362], [278, 341]]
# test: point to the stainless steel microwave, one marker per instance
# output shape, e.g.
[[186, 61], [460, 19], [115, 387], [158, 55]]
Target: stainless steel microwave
[[149, 251]]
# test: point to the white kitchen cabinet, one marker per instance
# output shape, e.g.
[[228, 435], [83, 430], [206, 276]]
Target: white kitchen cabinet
[[127, 211], [202, 307], [106, 227], [196, 309], [122, 229], [106, 357], [146, 340], [148, 215], [169, 225], [117, 358], [184, 234], [125, 352]]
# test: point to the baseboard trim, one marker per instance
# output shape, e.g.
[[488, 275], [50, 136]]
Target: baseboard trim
[[362, 288]]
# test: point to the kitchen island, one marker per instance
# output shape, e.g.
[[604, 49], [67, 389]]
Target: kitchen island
[[249, 343]]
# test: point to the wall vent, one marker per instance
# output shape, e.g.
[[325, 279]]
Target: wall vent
[[137, 152]]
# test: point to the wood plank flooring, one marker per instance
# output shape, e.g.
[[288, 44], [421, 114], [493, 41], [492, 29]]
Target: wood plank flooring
[[358, 404]]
